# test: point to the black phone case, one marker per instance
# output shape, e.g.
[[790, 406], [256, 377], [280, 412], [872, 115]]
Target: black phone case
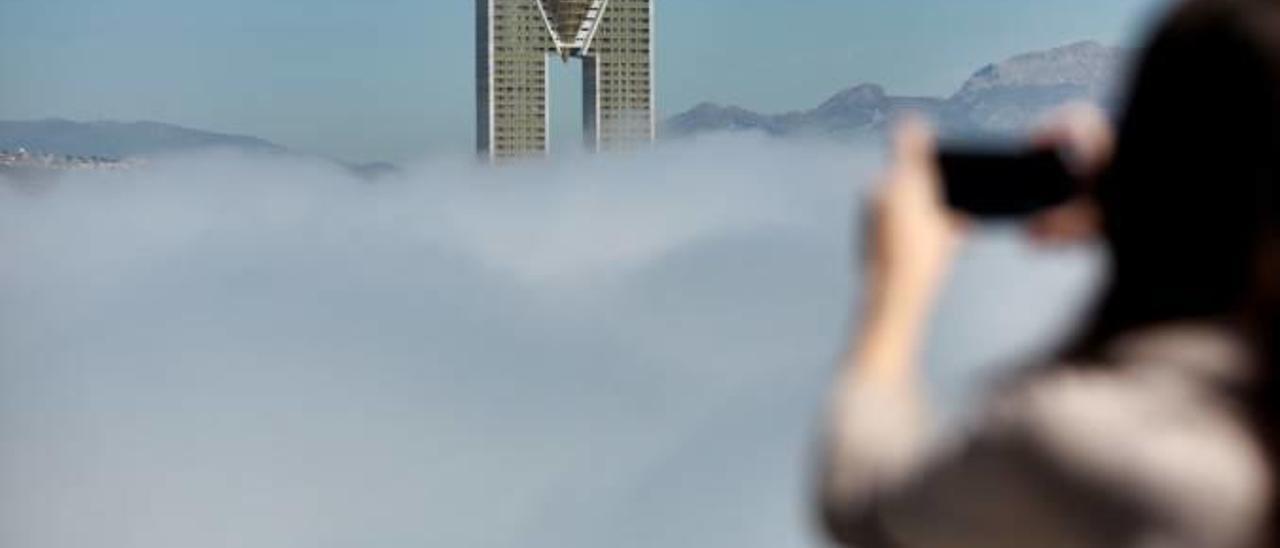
[[1006, 185]]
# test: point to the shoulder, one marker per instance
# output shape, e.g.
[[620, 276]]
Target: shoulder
[[1152, 434]]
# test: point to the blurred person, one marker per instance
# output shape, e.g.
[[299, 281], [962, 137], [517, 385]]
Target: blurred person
[[1156, 426]]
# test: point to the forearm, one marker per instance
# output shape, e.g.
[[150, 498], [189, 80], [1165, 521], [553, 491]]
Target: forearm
[[877, 432], [886, 346], [878, 423]]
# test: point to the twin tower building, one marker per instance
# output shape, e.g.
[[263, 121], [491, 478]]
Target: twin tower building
[[515, 42]]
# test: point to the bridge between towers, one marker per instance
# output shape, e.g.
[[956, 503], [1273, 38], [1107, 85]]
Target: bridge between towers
[[572, 24]]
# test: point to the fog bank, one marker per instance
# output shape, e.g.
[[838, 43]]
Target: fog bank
[[226, 350]]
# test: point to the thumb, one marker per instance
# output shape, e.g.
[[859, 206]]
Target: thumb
[[913, 143]]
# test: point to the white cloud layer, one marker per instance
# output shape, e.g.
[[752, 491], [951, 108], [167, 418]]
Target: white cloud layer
[[628, 352]]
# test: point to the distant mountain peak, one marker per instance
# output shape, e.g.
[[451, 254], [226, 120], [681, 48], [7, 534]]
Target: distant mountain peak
[[715, 117], [863, 95], [1015, 93], [707, 106], [1088, 65]]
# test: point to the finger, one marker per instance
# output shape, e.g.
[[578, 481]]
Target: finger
[[1052, 136], [1069, 224], [913, 142], [1081, 130], [960, 223]]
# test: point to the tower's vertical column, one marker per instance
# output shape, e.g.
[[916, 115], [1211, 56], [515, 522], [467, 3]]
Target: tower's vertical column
[[591, 102], [512, 56], [618, 78], [484, 78]]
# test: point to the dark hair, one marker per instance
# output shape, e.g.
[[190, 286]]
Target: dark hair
[[1191, 203]]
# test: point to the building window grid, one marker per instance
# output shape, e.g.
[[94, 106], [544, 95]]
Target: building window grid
[[622, 58]]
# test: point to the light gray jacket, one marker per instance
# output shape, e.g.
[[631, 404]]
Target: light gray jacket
[[1149, 453]]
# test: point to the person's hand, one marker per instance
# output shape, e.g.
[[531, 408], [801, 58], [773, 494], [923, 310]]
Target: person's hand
[[914, 234], [1085, 134], [912, 241]]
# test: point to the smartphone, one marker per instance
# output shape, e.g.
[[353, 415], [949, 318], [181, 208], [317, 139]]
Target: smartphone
[[1005, 182]]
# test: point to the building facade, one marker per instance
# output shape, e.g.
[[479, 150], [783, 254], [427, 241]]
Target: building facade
[[516, 40]]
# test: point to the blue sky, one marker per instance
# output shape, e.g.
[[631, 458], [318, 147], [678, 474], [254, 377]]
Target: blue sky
[[392, 79]]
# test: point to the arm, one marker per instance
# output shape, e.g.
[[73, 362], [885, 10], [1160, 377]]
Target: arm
[[882, 469], [877, 430]]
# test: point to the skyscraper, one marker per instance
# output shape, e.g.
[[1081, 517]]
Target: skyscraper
[[515, 40]]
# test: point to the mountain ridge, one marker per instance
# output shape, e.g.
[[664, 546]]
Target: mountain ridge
[[133, 140], [120, 139], [999, 97]]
